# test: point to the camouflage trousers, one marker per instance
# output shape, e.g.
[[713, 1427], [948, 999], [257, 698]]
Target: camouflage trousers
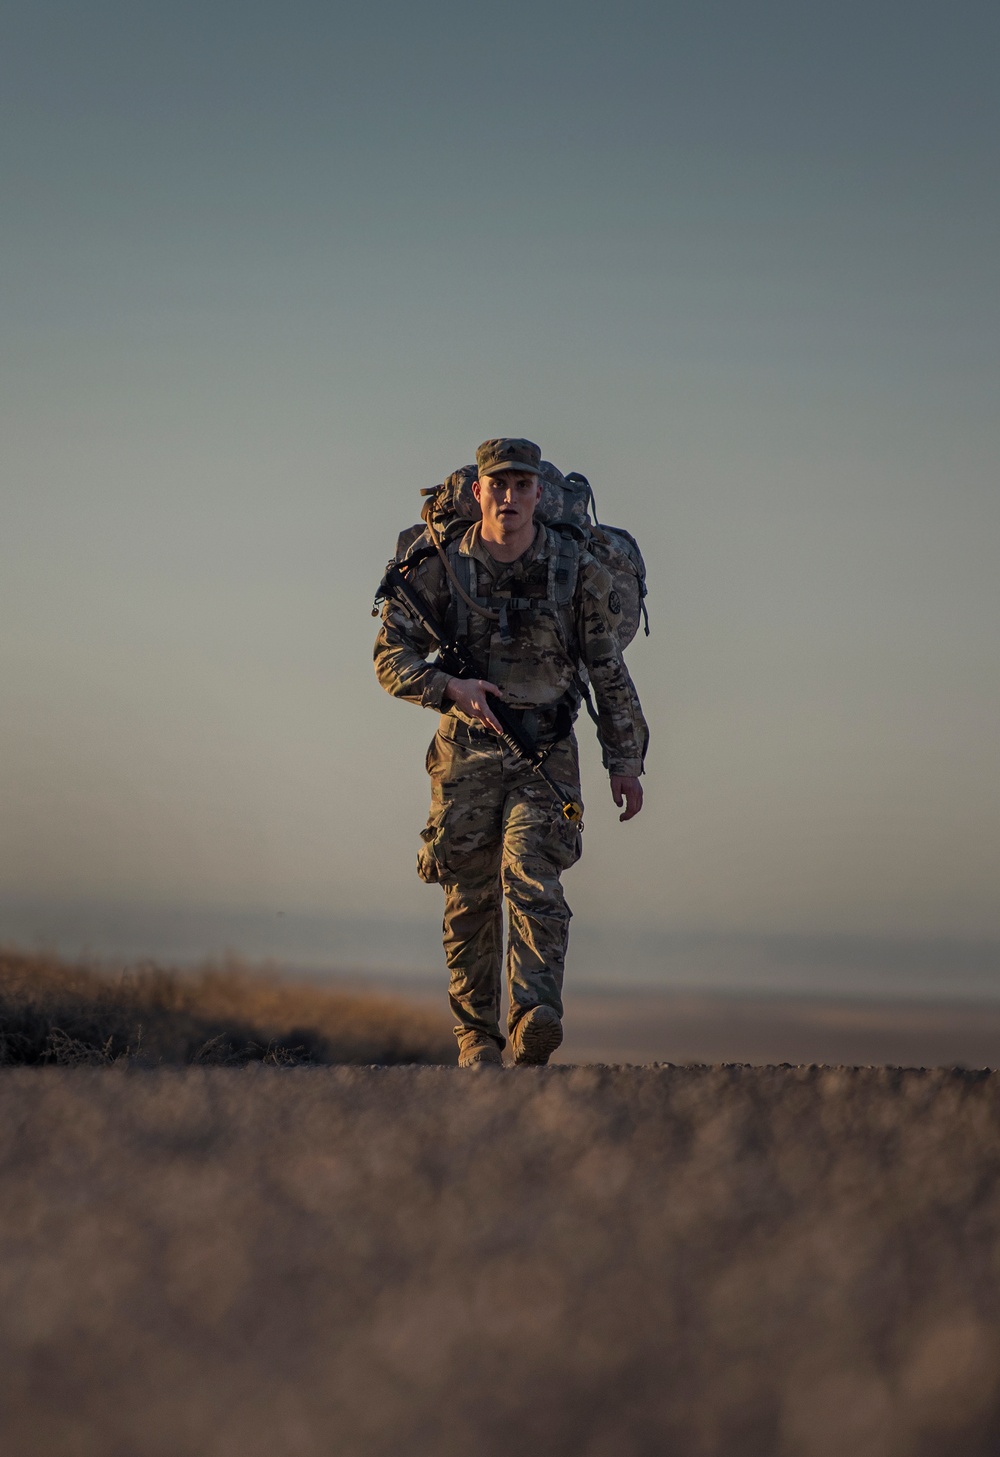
[[495, 833]]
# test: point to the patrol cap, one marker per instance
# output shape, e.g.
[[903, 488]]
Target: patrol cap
[[494, 456]]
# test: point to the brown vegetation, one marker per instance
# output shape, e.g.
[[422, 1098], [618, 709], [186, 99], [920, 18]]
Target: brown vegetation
[[69, 1014], [581, 1262]]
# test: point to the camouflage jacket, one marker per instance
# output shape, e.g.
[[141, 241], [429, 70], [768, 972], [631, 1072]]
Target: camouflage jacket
[[533, 653]]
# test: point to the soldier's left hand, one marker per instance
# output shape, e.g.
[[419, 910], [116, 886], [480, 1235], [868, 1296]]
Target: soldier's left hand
[[626, 787]]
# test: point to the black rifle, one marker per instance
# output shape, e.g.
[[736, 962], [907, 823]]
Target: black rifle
[[454, 660]]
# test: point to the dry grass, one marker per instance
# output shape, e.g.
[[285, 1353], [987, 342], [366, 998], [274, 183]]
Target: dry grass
[[580, 1262], [68, 1014]]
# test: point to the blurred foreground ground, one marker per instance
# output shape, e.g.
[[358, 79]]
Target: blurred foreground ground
[[584, 1262]]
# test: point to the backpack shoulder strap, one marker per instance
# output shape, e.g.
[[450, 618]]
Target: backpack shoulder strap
[[461, 576], [564, 566]]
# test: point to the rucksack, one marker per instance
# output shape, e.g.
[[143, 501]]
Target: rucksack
[[566, 505]]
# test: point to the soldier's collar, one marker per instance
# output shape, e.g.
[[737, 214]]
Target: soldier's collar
[[472, 545]]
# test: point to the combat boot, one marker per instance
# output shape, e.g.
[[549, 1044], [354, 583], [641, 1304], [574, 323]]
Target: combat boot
[[536, 1037], [477, 1050]]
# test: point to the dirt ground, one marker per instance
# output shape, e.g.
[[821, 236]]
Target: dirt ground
[[675, 1026], [585, 1262]]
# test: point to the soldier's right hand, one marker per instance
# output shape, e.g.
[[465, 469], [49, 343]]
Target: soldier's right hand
[[469, 694]]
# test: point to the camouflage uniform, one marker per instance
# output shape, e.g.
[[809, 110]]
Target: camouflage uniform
[[494, 831]]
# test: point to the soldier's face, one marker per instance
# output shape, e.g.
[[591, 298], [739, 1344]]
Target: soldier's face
[[508, 500]]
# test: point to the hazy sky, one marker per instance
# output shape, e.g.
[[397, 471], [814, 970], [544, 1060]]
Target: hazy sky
[[269, 269]]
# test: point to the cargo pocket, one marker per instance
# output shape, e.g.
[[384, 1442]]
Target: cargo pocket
[[564, 840], [431, 866], [430, 862], [564, 843]]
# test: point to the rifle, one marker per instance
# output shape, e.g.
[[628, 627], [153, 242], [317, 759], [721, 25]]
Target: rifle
[[453, 659]]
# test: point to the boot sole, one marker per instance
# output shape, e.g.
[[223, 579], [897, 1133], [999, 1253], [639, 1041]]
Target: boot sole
[[538, 1041]]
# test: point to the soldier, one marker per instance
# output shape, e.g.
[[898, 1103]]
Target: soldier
[[494, 832]]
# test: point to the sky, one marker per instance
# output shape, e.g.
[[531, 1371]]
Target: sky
[[269, 270]]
